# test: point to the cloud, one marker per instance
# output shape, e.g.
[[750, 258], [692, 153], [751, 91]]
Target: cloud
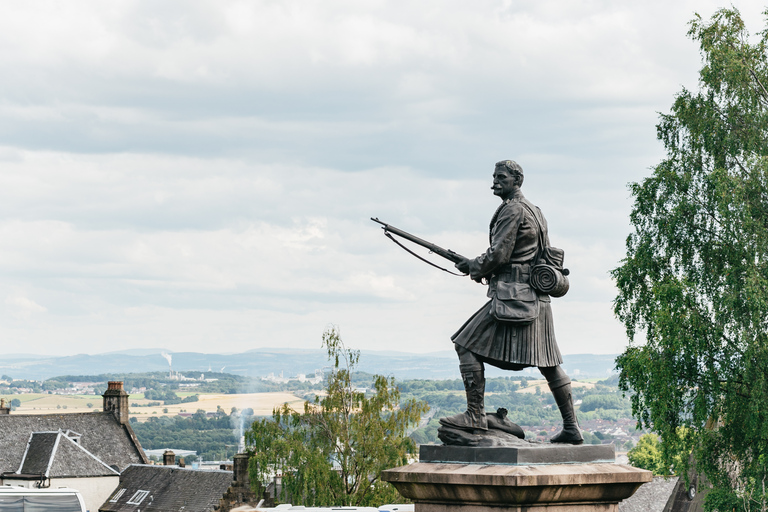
[[200, 174], [344, 83], [23, 308], [142, 240]]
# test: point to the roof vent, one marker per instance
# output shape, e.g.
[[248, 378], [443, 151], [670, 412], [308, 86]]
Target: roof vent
[[75, 436]]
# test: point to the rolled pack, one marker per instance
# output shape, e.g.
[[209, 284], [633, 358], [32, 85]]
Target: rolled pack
[[549, 279]]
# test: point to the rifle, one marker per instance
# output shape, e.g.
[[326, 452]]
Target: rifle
[[448, 254]]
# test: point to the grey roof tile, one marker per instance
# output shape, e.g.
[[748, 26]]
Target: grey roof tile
[[39, 451], [171, 488], [72, 460], [101, 435], [54, 454]]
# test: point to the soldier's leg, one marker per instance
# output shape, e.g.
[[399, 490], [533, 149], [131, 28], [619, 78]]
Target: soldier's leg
[[473, 375], [560, 385]]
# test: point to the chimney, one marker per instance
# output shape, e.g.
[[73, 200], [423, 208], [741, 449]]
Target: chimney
[[3, 408], [116, 401], [240, 468], [169, 458]]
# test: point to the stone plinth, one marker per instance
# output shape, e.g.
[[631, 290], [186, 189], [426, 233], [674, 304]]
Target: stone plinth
[[525, 454], [517, 485]]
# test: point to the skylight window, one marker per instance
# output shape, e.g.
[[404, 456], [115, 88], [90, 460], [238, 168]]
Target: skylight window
[[117, 495], [137, 498]]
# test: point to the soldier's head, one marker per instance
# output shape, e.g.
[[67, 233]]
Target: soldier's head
[[513, 168], [507, 177]]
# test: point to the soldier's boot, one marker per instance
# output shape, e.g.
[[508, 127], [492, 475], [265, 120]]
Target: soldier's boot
[[561, 390], [498, 421], [474, 386]]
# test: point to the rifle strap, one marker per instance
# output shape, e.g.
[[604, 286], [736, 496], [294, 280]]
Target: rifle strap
[[389, 235]]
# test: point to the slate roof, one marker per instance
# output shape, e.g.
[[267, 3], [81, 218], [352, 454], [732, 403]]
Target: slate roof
[[100, 434], [168, 488], [56, 454], [40, 450]]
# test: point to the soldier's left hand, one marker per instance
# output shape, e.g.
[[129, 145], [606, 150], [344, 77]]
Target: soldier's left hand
[[463, 266]]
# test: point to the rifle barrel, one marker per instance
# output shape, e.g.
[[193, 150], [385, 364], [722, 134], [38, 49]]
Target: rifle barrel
[[445, 253]]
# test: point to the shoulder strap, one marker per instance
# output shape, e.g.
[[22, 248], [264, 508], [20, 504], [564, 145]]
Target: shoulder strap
[[494, 219], [542, 241]]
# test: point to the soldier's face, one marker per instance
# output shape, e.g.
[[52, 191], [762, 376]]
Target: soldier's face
[[503, 183]]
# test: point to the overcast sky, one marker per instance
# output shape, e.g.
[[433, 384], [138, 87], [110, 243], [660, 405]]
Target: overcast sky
[[199, 175]]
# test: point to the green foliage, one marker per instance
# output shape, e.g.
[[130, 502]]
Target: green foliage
[[428, 433], [209, 437], [169, 397], [148, 404], [226, 383], [695, 279], [589, 438], [647, 455], [52, 384], [333, 452], [602, 401], [613, 380], [722, 499]]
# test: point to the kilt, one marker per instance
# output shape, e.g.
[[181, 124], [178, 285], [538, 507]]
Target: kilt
[[511, 346]]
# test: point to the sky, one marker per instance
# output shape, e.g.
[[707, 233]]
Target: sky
[[200, 175]]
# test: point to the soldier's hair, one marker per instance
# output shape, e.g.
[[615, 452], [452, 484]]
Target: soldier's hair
[[512, 168]]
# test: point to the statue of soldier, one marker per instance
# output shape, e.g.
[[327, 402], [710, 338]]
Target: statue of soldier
[[517, 231]]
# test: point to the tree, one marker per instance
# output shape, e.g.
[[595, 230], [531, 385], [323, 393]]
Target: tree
[[333, 452], [647, 455], [694, 283]]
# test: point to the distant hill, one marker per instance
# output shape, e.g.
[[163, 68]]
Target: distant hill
[[262, 362]]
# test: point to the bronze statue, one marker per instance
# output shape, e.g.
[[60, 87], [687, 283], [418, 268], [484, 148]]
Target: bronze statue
[[514, 330]]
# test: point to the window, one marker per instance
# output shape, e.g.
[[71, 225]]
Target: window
[[117, 495], [137, 498]]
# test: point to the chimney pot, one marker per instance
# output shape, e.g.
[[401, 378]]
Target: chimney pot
[[169, 458]]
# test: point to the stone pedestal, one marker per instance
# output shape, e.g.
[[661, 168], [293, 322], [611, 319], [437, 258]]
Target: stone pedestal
[[510, 479]]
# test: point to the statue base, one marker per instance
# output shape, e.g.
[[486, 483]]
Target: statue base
[[519, 479], [523, 453]]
